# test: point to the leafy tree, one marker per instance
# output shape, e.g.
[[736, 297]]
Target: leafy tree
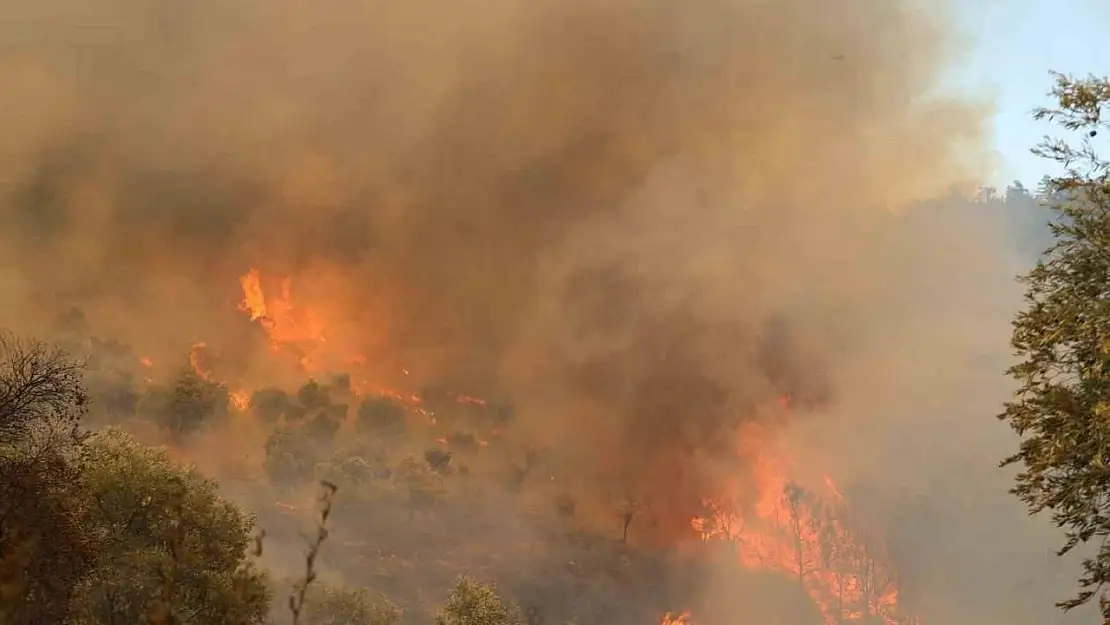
[[332, 605], [423, 486], [438, 460], [312, 395], [44, 547], [167, 541], [187, 405], [381, 416], [1062, 338], [473, 603], [42, 395], [291, 455], [270, 404], [323, 427]]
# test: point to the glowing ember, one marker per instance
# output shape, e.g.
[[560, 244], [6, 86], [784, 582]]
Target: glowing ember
[[473, 401], [675, 618]]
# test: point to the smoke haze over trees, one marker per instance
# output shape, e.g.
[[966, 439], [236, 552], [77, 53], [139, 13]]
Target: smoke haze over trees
[[632, 229]]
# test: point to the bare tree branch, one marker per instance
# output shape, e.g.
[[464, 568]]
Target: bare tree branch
[[42, 394]]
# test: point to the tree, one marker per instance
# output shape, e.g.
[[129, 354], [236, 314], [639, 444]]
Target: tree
[[44, 548], [424, 487], [289, 457], [627, 510], [798, 503], [332, 605], [187, 405], [167, 542], [42, 396], [270, 404], [381, 417], [473, 603], [1062, 340]]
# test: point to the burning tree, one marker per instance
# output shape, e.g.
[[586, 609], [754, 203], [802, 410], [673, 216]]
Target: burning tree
[[796, 532]]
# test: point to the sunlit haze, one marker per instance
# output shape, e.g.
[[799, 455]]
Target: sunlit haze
[[1016, 44]]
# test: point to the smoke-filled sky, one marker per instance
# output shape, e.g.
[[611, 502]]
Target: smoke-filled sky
[[601, 207]]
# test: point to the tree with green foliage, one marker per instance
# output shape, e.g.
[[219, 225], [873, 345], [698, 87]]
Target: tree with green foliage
[[290, 457], [1061, 409], [187, 405], [474, 603], [326, 604], [168, 544]]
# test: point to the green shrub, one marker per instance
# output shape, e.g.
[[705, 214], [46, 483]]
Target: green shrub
[[473, 603], [165, 538]]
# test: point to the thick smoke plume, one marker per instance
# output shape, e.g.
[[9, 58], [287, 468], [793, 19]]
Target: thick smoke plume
[[643, 220]]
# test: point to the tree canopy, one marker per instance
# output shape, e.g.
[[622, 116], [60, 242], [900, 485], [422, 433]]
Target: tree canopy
[[166, 539], [1061, 409], [473, 603], [45, 547]]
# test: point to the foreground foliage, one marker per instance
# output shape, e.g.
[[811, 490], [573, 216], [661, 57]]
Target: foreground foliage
[[45, 547], [472, 603], [1062, 337], [166, 540], [326, 604], [101, 530]]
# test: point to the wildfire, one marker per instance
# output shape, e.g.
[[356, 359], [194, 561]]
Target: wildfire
[[780, 527], [240, 400], [287, 326], [196, 361], [795, 532]]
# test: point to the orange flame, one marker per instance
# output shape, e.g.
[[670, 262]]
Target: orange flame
[[254, 302], [240, 400], [779, 527], [288, 327], [196, 361], [794, 532]]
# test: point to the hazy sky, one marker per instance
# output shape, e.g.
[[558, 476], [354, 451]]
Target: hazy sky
[[1016, 44]]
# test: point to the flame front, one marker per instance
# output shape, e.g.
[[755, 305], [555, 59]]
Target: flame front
[[254, 302], [791, 531], [780, 528], [290, 328]]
